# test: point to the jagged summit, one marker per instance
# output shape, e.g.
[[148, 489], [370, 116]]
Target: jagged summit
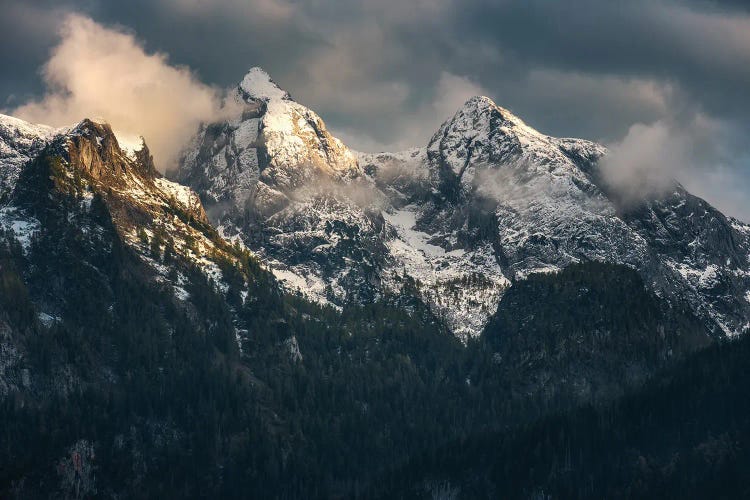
[[273, 148], [480, 119], [482, 137], [481, 105], [93, 138], [68, 168], [257, 84], [488, 201], [93, 146]]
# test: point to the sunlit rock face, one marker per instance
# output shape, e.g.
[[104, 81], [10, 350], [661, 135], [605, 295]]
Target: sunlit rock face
[[487, 202], [80, 180], [272, 147]]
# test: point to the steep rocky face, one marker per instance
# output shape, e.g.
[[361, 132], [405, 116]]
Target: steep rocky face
[[273, 147], [86, 162], [698, 255], [274, 176], [544, 208]]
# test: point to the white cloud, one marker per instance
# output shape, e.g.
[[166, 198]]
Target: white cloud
[[645, 162], [694, 151], [101, 72], [414, 128]]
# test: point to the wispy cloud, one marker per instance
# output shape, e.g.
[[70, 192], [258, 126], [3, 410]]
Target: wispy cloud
[[105, 73]]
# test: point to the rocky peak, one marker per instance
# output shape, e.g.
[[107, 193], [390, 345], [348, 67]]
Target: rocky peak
[[93, 147], [483, 136], [258, 85], [86, 161], [274, 147]]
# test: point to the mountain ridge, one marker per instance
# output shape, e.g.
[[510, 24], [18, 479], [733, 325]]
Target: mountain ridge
[[487, 201], [151, 344]]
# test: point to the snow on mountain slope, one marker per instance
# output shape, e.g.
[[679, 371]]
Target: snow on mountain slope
[[300, 200], [462, 287], [20, 141], [80, 171], [548, 209], [487, 178], [273, 147], [489, 201], [542, 204]]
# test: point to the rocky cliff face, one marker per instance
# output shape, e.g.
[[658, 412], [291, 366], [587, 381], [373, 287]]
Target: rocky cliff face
[[273, 147]]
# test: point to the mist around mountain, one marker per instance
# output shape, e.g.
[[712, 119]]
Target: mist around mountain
[[283, 317]]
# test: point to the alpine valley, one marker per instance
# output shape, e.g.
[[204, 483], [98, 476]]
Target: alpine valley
[[284, 317]]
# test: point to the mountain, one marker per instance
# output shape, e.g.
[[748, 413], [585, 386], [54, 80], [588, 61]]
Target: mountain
[[304, 321], [19, 142], [82, 208], [488, 202]]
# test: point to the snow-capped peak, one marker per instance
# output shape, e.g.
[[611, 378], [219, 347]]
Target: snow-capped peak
[[274, 147], [258, 85], [481, 112], [23, 128], [20, 141]]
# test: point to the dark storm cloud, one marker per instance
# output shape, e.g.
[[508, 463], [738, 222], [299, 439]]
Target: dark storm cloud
[[26, 35], [705, 51], [385, 73]]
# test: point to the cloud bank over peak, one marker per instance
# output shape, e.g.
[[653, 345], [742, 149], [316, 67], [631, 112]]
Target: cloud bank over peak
[[378, 72], [105, 73]]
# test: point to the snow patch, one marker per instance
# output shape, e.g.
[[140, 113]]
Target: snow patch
[[22, 227], [47, 319], [129, 144], [463, 288], [258, 85]]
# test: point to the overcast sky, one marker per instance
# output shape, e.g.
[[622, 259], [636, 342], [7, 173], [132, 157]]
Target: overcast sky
[[384, 74]]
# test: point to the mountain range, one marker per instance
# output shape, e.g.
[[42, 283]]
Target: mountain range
[[283, 316], [486, 203]]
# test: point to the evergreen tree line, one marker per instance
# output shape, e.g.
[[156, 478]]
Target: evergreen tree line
[[176, 404]]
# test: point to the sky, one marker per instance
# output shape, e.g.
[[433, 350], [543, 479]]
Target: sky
[[662, 83]]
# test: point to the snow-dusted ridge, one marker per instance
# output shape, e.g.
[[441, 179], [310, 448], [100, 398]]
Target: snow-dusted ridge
[[20, 141], [487, 202]]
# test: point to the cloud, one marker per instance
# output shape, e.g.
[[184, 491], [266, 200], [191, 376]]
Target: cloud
[[646, 161], [269, 10], [559, 99], [372, 70], [101, 72], [413, 128], [649, 160]]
